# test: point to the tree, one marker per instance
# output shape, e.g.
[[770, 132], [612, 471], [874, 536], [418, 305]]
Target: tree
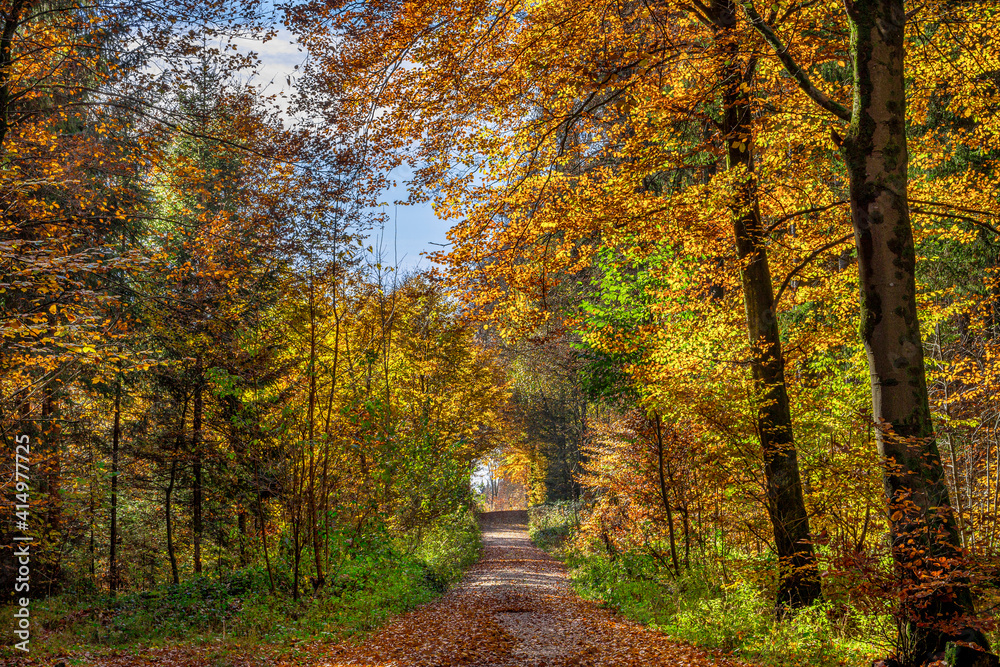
[[875, 154], [78, 127], [590, 95]]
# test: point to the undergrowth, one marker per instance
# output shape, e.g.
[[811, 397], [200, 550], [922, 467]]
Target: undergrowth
[[701, 608], [370, 584], [735, 618], [551, 524]]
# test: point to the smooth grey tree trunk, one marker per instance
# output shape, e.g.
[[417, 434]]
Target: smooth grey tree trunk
[[196, 451], [875, 153]]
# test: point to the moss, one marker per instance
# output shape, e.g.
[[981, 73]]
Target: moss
[[871, 313]]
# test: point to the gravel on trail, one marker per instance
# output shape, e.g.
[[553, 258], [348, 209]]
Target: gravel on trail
[[515, 608]]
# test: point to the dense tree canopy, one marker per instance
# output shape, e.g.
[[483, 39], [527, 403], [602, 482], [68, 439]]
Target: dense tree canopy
[[722, 279]]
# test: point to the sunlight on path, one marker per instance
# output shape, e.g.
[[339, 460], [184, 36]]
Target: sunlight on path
[[515, 608]]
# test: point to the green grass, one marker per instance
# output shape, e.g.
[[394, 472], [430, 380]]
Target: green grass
[[551, 524], [367, 588], [737, 619]]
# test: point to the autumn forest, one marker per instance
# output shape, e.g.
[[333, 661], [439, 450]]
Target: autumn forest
[[706, 372]]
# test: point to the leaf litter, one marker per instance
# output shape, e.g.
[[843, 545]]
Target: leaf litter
[[514, 608]]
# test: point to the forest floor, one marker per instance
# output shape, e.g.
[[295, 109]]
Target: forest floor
[[514, 608]]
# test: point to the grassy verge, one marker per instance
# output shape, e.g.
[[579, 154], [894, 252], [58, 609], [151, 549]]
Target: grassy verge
[[550, 525], [364, 591], [733, 618], [697, 608]]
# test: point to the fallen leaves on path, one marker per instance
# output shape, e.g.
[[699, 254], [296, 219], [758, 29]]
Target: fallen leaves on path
[[516, 608]]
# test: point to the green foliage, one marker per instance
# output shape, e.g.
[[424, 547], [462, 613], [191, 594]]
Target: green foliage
[[434, 481], [621, 302], [365, 593], [375, 582], [550, 524], [737, 618], [450, 546]]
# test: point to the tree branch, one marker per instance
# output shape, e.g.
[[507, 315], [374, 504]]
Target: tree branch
[[703, 13], [806, 211], [801, 265], [954, 216], [953, 207], [781, 50]]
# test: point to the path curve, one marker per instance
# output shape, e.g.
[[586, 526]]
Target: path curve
[[515, 608]]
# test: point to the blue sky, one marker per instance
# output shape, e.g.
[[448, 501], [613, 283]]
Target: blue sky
[[416, 227], [413, 229]]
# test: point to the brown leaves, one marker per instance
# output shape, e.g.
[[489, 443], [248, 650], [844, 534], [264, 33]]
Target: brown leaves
[[515, 608]]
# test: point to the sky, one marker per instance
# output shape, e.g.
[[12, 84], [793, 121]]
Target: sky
[[416, 228], [411, 230]]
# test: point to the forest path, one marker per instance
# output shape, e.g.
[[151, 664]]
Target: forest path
[[515, 608]]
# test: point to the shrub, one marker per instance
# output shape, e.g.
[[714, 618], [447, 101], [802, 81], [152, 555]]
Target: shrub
[[737, 618], [375, 580], [550, 524]]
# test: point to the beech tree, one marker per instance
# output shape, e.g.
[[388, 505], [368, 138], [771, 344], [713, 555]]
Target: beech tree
[[874, 150]]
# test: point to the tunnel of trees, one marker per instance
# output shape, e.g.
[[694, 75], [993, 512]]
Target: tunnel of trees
[[724, 278]]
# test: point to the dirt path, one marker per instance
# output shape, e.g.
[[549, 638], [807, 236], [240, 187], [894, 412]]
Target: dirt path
[[515, 608]]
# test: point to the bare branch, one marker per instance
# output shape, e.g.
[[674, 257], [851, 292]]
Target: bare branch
[[806, 211]]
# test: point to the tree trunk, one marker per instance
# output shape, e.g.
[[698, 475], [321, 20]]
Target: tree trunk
[[93, 519], [51, 432], [171, 554], [313, 513], [875, 153], [263, 528], [93, 545], [115, 438], [241, 527], [196, 440], [296, 530], [658, 423], [798, 578], [12, 20], [178, 447]]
